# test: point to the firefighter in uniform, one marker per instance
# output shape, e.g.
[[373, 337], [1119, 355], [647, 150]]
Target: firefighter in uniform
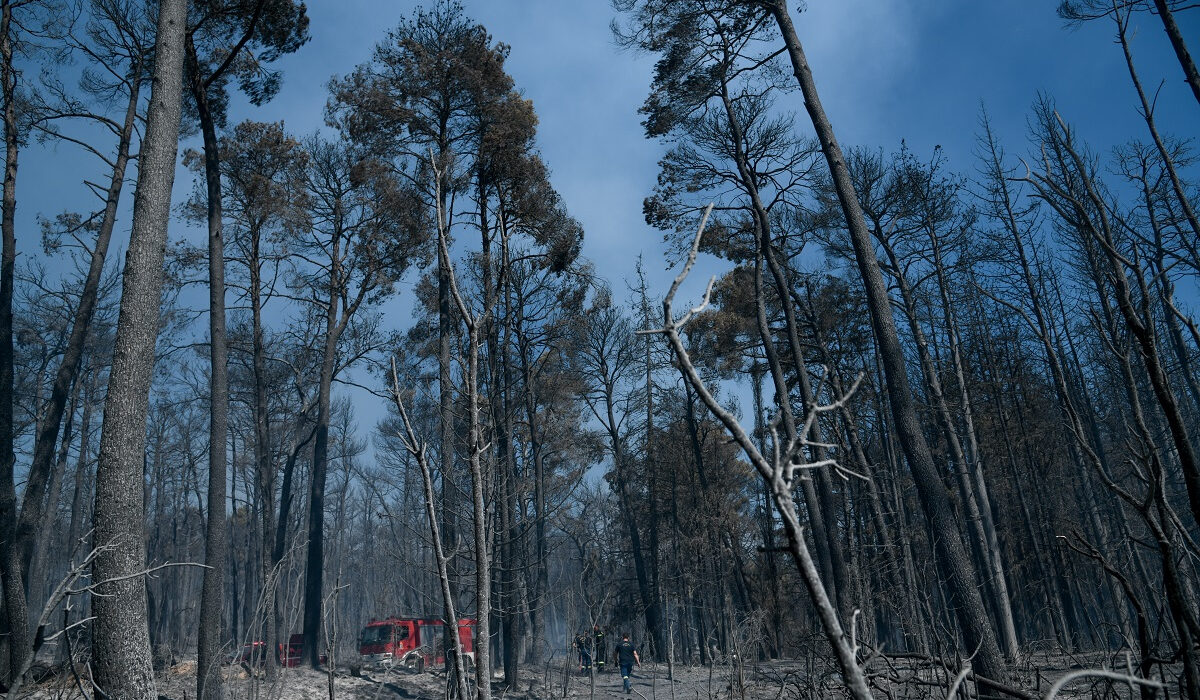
[[583, 644], [600, 648], [627, 656]]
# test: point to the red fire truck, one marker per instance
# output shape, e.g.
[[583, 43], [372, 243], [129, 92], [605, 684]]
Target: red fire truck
[[293, 653], [290, 654], [411, 642]]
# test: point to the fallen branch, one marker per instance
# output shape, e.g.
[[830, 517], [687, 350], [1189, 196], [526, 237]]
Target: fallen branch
[[980, 680], [1098, 673]]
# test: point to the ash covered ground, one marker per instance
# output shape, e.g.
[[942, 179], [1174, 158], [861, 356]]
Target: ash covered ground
[[773, 680]]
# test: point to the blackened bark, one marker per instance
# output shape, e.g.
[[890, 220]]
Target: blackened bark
[[208, 657], [541, 579], [37, 562], [11, 576], [78, 496], [449, 527], [262, 456], [641, 568], [654, 608], [1180, 46], [314, 569], [285, 498], [33, 514]]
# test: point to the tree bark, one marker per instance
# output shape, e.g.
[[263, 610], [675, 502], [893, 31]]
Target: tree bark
[[541, 579], [209, 682], [265, 467], [937, 397], [33, 514], [654, 607], [449, 512], [450, 611], [37, 562], [952, 555], [1177, 43], [11, 576], [817, 493], [315, 562], [121, 663]]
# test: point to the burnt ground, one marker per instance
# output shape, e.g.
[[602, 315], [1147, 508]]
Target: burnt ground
[[899, 679]]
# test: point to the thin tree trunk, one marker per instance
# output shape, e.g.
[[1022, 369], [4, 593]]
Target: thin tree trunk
[[315, 560], [541, 578], [483, 572], [209, 682], [767, 525], [542, 565], [817, 493], [446, 443], [37, 565], [33, 515], [654, 607], [79, 494], [11, 576], [973, 463], [235, 572], [459, 677], [264, 465], [951, 553]]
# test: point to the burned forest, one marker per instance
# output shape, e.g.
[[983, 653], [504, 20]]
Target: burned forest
[[535, 349]]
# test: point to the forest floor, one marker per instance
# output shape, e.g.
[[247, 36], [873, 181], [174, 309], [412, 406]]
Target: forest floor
[[775, 680]]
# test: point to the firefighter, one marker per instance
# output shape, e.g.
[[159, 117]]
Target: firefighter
[[600, 648], [627, 656], [583, 644]]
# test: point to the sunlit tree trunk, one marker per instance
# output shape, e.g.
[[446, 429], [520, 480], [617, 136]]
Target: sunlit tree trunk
[[121, 663]]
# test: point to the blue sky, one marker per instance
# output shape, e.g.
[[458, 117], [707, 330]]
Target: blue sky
[[887, 71]]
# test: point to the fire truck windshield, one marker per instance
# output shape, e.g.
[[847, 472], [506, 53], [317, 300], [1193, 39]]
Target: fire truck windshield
[[382, 634]]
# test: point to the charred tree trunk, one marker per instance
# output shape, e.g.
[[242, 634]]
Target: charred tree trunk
[[450, 506], [11, 577], [315, 558], [1177, 43], [417, 450], [33, 514], [818, 495], [209, 683], [952, 555], [264, 464]]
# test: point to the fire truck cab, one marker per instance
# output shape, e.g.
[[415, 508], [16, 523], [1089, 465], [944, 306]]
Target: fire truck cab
[[411, 642]]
